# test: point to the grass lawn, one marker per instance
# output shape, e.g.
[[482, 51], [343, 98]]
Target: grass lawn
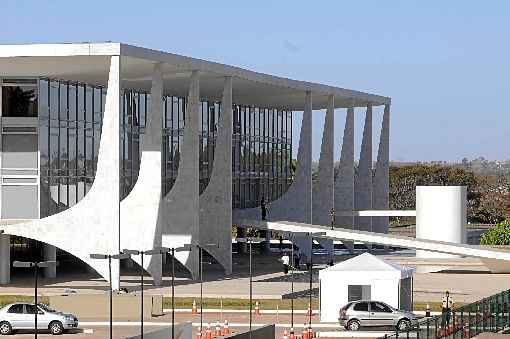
[[268, 304]]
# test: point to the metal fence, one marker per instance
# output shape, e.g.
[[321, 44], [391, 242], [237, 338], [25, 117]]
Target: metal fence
[[491, 314]]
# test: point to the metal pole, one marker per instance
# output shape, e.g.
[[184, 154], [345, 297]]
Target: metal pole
[[292, 289], [311, 277], [251, 291], [36, 267], [111, 295], [201, 288], [141, 306], [173, 293]]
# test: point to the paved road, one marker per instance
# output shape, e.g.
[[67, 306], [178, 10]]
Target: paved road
[[238, 322]]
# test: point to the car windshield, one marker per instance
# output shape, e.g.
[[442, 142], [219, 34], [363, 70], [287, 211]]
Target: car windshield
[[45, 308]]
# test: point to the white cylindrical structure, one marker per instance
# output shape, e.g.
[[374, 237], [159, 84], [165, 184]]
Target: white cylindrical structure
[[440, 215]]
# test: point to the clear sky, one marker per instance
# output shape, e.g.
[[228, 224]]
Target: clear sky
[[445, 64]]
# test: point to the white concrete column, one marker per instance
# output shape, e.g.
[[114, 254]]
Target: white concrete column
[[363, 179], [216, 200], [109, 158], [304, 176], [323, 193], [181, 205], [5, 259], [344, 184], [306, 156], [382, 176], [50, 254], [440, 216]]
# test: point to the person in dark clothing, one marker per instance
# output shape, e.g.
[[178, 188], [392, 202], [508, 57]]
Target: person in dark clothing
[[263, 209], [297, 258], [446, 309]]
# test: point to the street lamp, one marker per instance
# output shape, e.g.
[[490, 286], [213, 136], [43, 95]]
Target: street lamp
[[141, 254], [200, 249], [186, 247], [292, 267], [250, 241], [35, 265], [312, 235], [163, 251], [110, 257]]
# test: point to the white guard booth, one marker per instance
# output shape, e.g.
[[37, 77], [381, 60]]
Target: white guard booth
[[364, 277]]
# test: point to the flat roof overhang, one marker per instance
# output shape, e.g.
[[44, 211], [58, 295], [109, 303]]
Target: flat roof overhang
[[89, 63]]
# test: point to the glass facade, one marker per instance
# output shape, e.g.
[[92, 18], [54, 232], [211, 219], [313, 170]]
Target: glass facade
[[70, 117], [262, 156], [134, 111]]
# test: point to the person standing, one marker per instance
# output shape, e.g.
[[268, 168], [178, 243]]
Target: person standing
[[446, 309], [285, 260], [297, 258], [263, 209]]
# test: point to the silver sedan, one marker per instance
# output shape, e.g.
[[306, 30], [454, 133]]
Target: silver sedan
[[21, 316], [375, 313]]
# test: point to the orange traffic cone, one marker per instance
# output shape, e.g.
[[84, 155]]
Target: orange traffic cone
[[208, 334], [226, 330], [194, 307], [304, 334], [199, 333], [310, 332], [291, 334], [309, 310], [217, 331], [257, 308], [285, 336]]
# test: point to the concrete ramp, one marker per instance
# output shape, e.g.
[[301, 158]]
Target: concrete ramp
[[382, 239]]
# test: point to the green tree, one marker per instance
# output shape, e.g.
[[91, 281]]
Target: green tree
[[404, 179], [499, 235]]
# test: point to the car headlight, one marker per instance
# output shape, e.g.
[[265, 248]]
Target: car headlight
[[68, 317]]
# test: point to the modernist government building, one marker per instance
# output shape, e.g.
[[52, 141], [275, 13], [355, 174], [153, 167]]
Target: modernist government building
[[107, 146]]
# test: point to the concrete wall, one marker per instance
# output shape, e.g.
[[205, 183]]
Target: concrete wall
[[440, 215]]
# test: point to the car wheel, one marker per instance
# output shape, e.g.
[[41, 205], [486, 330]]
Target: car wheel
[[56, 328], [5, 328], [403, 325], [353, 325]]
